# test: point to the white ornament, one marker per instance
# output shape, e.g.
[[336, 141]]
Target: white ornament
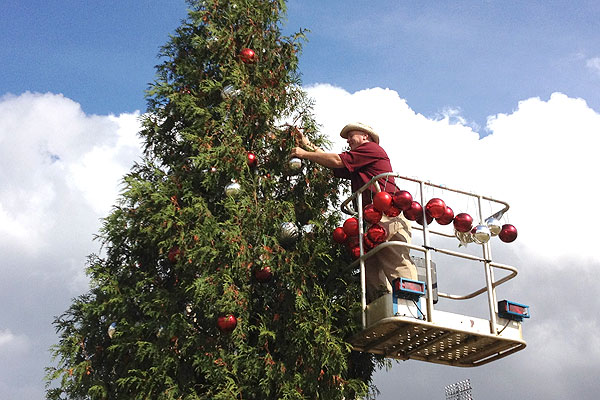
[[288, 233], [295, 165]]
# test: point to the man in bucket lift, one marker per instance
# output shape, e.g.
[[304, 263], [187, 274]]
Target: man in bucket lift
[[363, 161]]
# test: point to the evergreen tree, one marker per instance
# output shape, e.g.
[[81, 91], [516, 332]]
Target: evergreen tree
[[203, 291]]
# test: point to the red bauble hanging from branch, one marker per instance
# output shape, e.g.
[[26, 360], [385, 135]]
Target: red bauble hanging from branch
[[351, 226], [248, 56], [264, 274], [339, 236], [227, 323], [252, 160]]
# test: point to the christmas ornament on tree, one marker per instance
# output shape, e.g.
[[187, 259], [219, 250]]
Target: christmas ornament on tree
[[112, 329], [230, 92], [413, 212], [288, 233], [463, 222], [227, 323], [295, 165], [481, 234], [264, 274], [508, 233], [248, 56], [232, 189], [494, 226], [339, 236], [174, 254], [368, 243], [252, 160], [352, 241], [382, 201], [402, 200], [436, 207], [371, 214], [447, 218], [351, 226]]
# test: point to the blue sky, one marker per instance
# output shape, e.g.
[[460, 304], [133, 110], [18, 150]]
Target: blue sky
[[498, 98]]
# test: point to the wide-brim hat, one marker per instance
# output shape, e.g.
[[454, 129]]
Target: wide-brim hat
[[357, 126]]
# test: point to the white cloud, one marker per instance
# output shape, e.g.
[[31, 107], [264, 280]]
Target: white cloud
[[594, 65], [11, 344]]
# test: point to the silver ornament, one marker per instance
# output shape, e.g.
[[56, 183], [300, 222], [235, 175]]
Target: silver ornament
[[230, 92], [288, 233], [112, 329], [481, 234], [232, 189], [494, 225], [463, 237], [295, 165]]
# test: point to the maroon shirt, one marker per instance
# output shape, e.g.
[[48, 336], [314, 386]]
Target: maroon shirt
[[362, 164]]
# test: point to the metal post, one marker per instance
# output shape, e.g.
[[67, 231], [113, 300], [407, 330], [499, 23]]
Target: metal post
[[363, 280], [488, 276], [426, 244]]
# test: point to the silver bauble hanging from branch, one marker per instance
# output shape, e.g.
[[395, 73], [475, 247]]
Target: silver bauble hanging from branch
[[232, 189], [295, 165], [288, 233]]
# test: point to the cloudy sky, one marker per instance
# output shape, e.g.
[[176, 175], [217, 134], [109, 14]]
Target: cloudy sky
[[498, 98]]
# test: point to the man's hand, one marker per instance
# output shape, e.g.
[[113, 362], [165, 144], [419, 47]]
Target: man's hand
[[298, 152]]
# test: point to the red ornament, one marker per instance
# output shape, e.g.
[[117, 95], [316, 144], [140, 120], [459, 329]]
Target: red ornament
[[351, 226], [414, 211], [429, 218], [382, 201], [174, 254], [368, 243], [508, 233], [393, 211], [371, 214], [227, 323], [252, 160], [402, 200], [463, 222], [377, 233], [436, 207], [355, 252], [248, 56], [352, 242], [339, 236], [263, 274], [447, 218]]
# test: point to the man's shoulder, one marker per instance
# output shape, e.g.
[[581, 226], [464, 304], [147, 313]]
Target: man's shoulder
[[372, 148]]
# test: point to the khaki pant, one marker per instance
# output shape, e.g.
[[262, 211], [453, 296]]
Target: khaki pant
[[392, 262]]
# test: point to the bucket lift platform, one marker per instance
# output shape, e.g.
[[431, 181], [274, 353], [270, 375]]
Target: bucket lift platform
[[404, 329]]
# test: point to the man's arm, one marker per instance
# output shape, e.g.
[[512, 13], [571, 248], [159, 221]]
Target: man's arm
[[329, 160]]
